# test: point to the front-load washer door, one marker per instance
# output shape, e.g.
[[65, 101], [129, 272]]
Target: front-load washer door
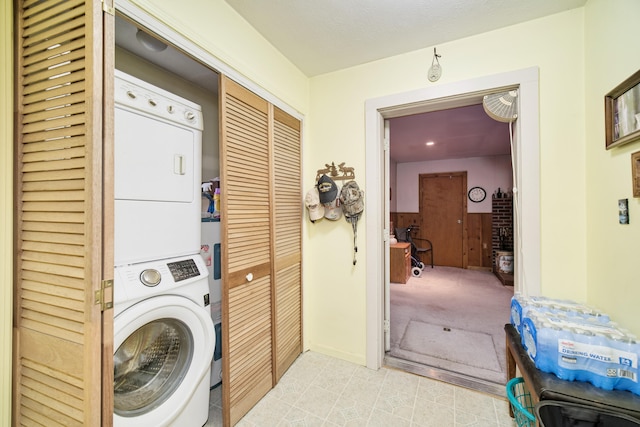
[[163, 351]]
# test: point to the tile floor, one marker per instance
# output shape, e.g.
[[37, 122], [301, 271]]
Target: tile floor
[[319, 390]]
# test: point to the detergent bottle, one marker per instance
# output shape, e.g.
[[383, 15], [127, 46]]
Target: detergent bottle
[[216, 203]]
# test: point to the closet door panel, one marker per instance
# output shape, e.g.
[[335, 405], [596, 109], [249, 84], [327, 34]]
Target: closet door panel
[[63, 212], [246, 234], [287, 241]]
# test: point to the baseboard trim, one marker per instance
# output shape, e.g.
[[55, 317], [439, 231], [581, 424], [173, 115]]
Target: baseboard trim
[[450, 377]]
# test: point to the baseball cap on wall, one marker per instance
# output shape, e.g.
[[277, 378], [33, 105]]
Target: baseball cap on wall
[[312, 202], [327, 189], [352, 199], [333, 210]]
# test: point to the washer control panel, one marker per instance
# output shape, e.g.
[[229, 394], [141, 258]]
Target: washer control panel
[[143, 280], [182, 270]]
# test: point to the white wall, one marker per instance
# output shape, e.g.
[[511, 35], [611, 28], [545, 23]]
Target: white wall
[[489, 173]]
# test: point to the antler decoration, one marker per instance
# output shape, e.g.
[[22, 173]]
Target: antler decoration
[[340, 172]]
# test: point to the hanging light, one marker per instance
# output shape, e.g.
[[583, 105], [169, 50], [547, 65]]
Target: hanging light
[[149, 42]]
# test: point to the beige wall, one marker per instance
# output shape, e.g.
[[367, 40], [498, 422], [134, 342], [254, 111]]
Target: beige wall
[[219, 30], [613, 284], [581, 54], [6, 208], [335, 321], [216, 28]]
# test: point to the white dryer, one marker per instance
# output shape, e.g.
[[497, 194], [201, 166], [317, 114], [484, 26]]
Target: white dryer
[[157, 162], [163, 343]]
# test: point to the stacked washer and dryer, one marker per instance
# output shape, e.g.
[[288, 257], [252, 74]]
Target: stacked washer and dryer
[[164, 337]]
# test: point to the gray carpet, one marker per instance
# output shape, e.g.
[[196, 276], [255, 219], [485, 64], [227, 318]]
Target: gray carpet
[[451, 345], [452, 319]]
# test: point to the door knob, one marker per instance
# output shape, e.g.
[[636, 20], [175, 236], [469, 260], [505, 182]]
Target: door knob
[[459, 221], [249, 277]]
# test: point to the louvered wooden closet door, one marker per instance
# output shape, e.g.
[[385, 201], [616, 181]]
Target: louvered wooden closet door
[[246, 254], [288, 235], [59, 215]]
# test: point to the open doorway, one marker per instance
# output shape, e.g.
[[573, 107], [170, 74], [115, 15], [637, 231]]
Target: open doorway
[[448, 322], [527, 268]]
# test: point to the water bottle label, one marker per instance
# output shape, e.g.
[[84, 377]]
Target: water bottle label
[[574, 353]]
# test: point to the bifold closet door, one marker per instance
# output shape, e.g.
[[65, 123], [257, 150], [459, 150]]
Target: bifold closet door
[[246, 251], [288, 241], [64, 214]]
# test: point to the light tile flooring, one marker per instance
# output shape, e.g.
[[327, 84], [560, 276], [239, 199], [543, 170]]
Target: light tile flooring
[[319, 390]]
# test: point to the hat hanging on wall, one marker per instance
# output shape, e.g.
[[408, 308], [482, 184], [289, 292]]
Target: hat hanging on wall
[[312, 202], [333, 210], [352, 200], [327, 189]]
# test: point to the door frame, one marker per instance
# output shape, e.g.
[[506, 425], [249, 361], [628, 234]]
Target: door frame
[[527, 174], [6, 211], [463, 196]]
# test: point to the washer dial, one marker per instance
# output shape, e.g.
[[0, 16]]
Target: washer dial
[[150, 277]]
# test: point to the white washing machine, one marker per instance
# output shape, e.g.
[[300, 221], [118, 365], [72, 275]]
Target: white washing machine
[[157, 162], [164, 341]]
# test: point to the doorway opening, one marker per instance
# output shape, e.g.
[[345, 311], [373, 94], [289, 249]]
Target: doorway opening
[[448, 322], [526, 142]]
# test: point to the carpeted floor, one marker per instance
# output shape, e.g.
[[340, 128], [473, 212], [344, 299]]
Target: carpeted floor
[[452, 319]]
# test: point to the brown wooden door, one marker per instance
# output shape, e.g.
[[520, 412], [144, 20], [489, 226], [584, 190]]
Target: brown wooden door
[[287, 211], [443, 212], [64, 214], [262, 250], [246, 235]]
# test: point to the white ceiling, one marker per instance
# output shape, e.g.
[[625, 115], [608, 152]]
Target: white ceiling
[[321, 36]]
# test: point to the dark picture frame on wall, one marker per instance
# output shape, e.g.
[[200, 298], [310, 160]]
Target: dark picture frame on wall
[[622, 112], [635, 173]]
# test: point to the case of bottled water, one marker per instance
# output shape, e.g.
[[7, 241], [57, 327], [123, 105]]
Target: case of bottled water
[[582, 348], [521, 306]]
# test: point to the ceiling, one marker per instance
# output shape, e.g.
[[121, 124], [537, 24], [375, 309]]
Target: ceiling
[[328, 35], [456, 133], [321, 36], [171, 59]]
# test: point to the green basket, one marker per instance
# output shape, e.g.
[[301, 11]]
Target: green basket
[[521, 403]]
